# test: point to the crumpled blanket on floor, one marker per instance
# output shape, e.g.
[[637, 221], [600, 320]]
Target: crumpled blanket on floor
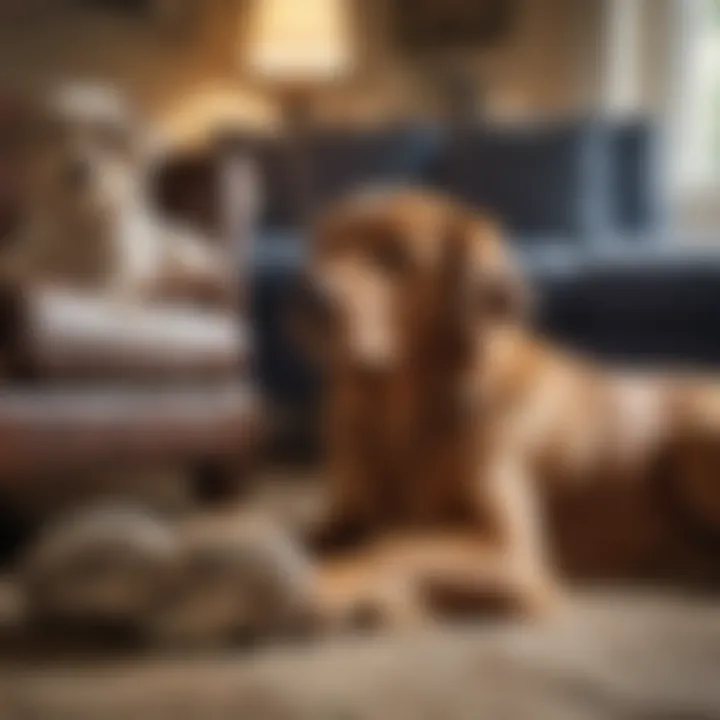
[[629, 656]]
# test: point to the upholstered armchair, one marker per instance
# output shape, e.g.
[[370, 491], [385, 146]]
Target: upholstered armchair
[[88, 384]]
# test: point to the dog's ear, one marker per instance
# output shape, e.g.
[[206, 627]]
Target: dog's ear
[[485, 273], [505, 293], [307, 318]]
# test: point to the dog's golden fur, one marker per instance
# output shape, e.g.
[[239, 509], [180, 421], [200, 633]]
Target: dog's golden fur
[[470, 460]]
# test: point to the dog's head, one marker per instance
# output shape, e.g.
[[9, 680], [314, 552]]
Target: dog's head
[[83, 155], [408, 278]]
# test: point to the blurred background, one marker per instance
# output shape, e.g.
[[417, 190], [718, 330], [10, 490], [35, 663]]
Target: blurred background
[[591, 128]]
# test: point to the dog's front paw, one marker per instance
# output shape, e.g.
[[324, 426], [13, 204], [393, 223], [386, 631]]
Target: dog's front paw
[[541, 600], [391, 609], [356, 593]]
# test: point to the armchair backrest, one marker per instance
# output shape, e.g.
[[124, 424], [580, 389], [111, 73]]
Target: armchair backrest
[[217, 192]]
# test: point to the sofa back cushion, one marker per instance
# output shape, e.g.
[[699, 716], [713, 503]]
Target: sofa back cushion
[[580, 182], [635, 178], [335, 162], [343, 161], [542, 181]]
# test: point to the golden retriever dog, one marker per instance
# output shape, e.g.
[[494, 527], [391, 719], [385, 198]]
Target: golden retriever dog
[[469, 460]]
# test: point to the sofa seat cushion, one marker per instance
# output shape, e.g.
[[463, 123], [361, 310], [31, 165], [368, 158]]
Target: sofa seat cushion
[[646, 306]]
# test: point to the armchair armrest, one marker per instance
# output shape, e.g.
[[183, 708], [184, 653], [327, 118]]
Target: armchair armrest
[[48, 430], [50, 334]]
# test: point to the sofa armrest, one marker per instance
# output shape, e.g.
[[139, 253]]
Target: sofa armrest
[[52, 334]]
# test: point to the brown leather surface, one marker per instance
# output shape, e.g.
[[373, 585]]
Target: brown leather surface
[[44, 432], [50, 334]]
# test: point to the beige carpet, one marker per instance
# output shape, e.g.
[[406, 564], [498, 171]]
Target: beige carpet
[[612, 656], [619, 655]]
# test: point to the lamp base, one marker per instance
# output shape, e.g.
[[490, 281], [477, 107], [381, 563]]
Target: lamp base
[[296, 107]]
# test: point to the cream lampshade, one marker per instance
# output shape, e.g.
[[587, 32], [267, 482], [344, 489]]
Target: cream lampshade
[[299, 41]]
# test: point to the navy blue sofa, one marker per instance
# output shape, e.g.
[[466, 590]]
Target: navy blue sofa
[[581, 200]]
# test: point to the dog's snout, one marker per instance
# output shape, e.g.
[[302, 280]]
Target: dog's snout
[[76, 173]]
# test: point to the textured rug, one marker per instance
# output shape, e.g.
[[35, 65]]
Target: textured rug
[[627, 656]]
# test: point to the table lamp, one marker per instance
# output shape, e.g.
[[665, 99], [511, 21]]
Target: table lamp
[[298, 47]]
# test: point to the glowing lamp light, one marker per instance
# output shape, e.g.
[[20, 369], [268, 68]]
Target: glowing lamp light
[[299, 41]]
